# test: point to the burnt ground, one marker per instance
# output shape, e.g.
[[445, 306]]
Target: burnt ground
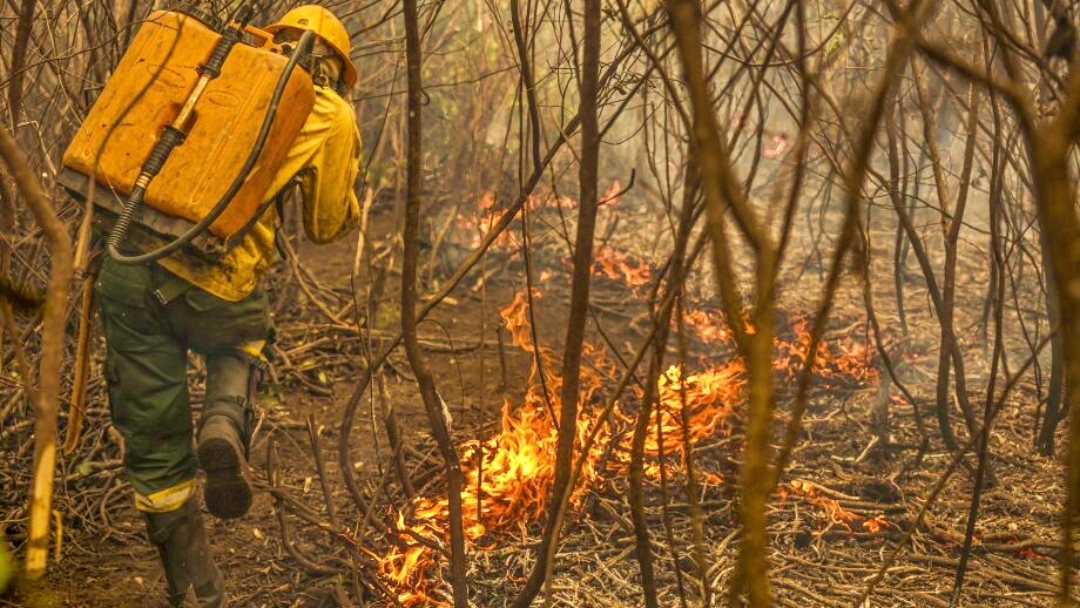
[[817, 560]]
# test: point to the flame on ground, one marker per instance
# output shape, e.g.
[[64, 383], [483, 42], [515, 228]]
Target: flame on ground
[[615, 264], [508, 476], [834, 514]]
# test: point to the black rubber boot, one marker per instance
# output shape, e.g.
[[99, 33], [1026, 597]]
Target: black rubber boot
[[223, 435], [180, 538]]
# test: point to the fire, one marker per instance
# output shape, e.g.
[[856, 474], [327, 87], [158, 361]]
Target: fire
[[1029, 553], [876, 524], [480, 223], [780, 146], [709, 398], [834, 513], [508, 476], [612, 194], [615, 264], [846, 359], [709, 326]]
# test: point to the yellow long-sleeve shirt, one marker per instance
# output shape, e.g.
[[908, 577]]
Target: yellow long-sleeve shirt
[[325, 158]]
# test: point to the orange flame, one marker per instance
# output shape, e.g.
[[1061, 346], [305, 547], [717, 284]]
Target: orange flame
[[615, 264], [508, 477], [834, 512], [482, 221]]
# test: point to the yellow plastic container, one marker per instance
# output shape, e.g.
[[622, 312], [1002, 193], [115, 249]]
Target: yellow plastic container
[[146, 92]]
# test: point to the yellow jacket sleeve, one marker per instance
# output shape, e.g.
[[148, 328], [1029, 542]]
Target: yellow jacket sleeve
[[325, 158]]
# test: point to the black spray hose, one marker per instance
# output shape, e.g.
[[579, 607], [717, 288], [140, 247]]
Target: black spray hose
[[165, 146]]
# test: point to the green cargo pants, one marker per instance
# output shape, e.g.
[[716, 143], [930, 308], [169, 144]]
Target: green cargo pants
[[151, 319]]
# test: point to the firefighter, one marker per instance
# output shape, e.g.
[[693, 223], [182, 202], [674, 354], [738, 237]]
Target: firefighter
[[154, 313]]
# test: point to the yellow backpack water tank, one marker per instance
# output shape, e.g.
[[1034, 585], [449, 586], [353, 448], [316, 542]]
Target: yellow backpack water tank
[[147, 90]]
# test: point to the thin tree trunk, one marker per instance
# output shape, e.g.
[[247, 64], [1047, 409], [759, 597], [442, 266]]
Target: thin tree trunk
[[998, 304], [950, 227], [722, 191], [18, 61], [7, 232], [528, 81], [583, 256], [1049, 147], [1052, 414], [52, 352], [393, 432], [437, 412], [1055, 198], [643, 544]]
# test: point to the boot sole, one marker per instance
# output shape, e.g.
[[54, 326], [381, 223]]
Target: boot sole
[[228, 491]]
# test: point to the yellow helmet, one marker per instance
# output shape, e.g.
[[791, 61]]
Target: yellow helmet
[[326, 26]]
